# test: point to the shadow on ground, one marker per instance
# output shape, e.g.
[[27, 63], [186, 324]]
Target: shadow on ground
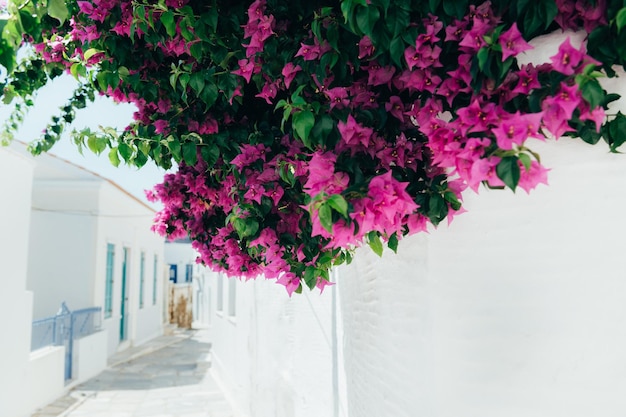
[[183, 363]]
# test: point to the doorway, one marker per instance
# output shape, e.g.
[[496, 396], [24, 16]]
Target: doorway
[[124, 304]]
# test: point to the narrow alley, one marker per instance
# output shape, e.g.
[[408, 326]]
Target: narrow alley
[[166, 377]]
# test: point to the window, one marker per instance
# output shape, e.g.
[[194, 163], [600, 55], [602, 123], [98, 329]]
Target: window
[[232, 296], [188, 273], [173, 273], [142, 278], [220, 292], [108, 291], [154, 280]]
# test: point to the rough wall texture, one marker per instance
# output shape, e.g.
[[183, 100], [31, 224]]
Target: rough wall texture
[[274, 356], [387, 329], [517, 309]]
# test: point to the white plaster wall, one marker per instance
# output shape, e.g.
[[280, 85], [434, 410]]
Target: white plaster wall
[[274, 357], [16, 175], [46, 376], [529, 318], [62, 245], [90, 356], [516, 309], [202, 298], [385, 306], [125, 222]]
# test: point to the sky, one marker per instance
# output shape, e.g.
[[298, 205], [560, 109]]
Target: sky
[[103, 112]]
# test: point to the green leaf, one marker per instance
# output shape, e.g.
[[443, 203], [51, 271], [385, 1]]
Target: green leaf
[[310, 277], [125, 151], [167, 18], [245, 227], [209, 94], [451, 198], [190, 154], [210, 154], [396, 50], [197, 82], [483, 56], [326, 217], [366, 18], [525, 160], [592, 92], [617, 131], [437, 208], [58, 10], [114, 158], [392, 243], [90, 52], [337, 202], [302, 123], [508, 171], [323, 126], [96, 144], [455, 8], [620, 19], [174, 147], [374, 241]]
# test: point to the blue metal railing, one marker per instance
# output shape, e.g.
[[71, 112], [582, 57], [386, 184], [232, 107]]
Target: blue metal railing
[[44, 333], [50, 331], [63, 328], [86, 321]]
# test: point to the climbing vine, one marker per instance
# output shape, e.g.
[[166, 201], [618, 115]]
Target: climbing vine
[[303, 129]]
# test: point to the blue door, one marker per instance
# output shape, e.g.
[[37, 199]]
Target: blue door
[[124, 304]]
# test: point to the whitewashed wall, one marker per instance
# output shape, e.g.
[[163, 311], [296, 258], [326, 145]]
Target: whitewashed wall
[[125, 222], [90, 356], [274, 356], [16, 175], [61, 245], [46, 377], [517, 309]]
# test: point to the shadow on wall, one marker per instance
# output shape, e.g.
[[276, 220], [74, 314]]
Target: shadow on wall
[[184, 363]]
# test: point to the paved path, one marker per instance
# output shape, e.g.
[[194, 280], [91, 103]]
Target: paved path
[[168, 377]]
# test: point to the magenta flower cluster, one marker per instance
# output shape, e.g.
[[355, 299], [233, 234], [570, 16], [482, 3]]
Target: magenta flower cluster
[[294, 148]]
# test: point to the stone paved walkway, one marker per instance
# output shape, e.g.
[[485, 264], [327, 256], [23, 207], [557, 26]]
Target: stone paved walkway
[[168, 378]]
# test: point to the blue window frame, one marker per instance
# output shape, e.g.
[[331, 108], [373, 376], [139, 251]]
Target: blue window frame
[[108, 291], [174, 273], [142, 278], [188, 273], [154, 280]]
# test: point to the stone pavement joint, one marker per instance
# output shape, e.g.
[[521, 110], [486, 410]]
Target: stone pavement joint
[[166, 377]]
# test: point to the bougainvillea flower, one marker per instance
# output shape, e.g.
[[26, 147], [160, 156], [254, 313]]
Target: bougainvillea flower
[[245, 70], [289, 73], [395, 107], [532, 177], [484, 170], [516, 129], [567, 58], [353, 133], [366, 48], [269, 91], [309, 52], [379, 75], [338, 97], [512, 42]]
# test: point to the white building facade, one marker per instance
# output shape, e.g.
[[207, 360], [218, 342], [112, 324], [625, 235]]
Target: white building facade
[[15, 300], [515, 309], [70, 236], [91, 246]]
